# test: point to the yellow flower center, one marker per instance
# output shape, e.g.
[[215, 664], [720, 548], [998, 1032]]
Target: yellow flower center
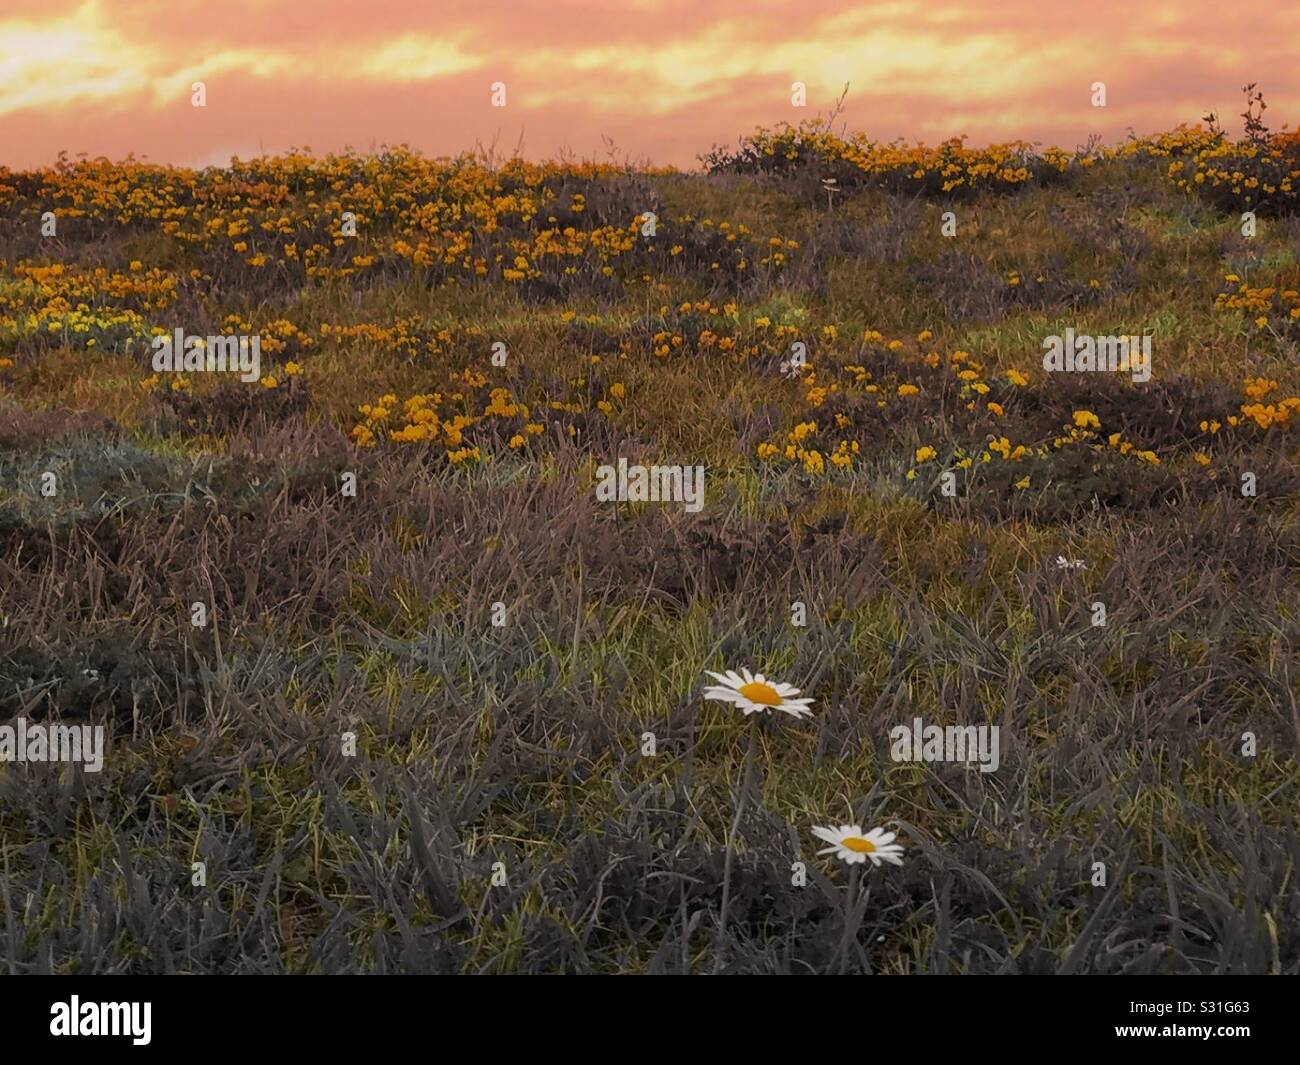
[[756, 692], [858, 844]]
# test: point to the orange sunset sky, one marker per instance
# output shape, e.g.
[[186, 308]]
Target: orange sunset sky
[[663, 79]]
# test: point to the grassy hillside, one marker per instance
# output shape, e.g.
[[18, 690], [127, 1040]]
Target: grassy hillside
[[653, 315]]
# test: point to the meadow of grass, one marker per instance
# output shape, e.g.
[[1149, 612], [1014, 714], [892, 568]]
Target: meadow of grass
[[499, 814]]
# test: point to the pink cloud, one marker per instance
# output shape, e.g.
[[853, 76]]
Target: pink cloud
[[665, 79]]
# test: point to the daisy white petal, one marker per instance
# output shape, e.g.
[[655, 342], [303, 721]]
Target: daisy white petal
[[852, 845], [756, 694]]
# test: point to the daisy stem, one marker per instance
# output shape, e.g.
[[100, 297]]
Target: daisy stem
[[850, 925], [745, 781]]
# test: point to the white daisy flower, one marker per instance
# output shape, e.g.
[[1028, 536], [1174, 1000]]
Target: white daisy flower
[[756, 693], [850, 845]]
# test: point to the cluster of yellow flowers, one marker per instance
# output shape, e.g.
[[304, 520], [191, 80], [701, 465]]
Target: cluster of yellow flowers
[[1265, 415], [465, 408], [33, 284], [703, 326], [1266, 306], [64, 305], [335, 217], [1249, 171], [942, 168], [1201, 159], [812, 440]]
